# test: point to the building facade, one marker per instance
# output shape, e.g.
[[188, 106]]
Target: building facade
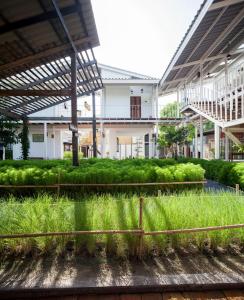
[[126, 121]]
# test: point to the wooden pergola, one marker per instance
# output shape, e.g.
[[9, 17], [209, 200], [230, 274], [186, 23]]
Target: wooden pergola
[[46, 57]]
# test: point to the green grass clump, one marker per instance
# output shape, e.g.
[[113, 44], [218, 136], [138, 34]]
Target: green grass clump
[[47, 214]]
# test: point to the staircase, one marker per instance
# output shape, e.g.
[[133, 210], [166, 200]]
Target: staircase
[[222, 102]]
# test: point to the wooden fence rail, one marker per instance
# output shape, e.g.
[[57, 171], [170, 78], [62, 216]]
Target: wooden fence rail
[[59, 185]]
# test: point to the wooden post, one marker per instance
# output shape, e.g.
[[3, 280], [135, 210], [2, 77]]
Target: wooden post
[[74, 109], [140, 252], [237, 189], [94, 129], [58, 186]]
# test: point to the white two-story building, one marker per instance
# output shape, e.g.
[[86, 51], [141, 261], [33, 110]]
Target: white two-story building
[[126, 120]]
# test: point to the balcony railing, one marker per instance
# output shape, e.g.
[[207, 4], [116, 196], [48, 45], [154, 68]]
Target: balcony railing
[[224, 100]]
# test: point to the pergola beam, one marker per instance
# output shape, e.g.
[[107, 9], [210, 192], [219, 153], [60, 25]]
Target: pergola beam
[[43, 54], [33, 93], [211, 58]]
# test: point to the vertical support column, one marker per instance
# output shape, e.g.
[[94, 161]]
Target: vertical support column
[[178, 104], [94, 129], [74, 109], [226, 148], [201, 86], [54, 146], [196, 142], [216, 141], [101, 123], [45, 139], [226, 87], [157, 121], [201, 137]]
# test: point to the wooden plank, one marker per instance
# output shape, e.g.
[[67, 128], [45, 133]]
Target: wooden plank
[[217, 295], [152, 296], [234, 294], [27, 93], [131, 297], [173, 296]]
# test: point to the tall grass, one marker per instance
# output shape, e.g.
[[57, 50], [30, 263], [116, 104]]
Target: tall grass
[[46, 214]]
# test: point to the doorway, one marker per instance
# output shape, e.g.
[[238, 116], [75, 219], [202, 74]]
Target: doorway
[[135, 107]]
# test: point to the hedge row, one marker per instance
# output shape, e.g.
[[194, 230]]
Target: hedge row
[[98, 171], [228, 173]]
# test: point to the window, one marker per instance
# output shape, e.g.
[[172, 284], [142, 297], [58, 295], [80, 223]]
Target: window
[[38, 138]]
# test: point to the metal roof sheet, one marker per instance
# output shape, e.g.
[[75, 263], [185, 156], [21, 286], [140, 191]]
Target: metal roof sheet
[[217, 29]]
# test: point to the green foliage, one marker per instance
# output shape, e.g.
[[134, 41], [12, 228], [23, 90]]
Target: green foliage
[[68, 155], [172, 137], [8, 131], [169, 110], [47, 214], [98, 171]]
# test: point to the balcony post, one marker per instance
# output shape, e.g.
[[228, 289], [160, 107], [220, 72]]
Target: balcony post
[[201, 137], [196, 142]]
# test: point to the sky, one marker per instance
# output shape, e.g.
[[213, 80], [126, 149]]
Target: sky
[[141, 35]]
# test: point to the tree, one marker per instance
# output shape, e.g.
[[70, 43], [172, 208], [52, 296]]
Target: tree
[[172, 137], [169, 110], [8, 131], [25, 144]]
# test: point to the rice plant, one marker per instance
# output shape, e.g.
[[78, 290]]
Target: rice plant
[[45, 213]]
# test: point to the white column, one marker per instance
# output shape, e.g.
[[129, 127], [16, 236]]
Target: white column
[[54, 138], [178, 104], [157, 121], [201, 137], [226, 148], [61, 145], [151, 146], [226, 86], [45, 139], [201, 86], [4, 153], [196, 141], [102, 101], [216, 141]]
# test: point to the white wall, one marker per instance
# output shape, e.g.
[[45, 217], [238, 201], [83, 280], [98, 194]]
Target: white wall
[[117, 100], [37, 149]]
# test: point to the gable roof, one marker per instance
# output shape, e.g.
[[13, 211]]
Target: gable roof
[[108, 72]]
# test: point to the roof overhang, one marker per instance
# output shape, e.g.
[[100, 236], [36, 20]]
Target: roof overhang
[[216, 31], [130, 81]]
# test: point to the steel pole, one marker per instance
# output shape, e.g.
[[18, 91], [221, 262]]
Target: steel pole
[[94, 129], [74, 109]]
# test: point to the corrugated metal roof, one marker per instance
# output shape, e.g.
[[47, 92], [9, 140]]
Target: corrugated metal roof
[[130, 74], [218, 28]]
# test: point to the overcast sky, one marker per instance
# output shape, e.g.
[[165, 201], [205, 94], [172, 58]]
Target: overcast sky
[[141, 35]]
